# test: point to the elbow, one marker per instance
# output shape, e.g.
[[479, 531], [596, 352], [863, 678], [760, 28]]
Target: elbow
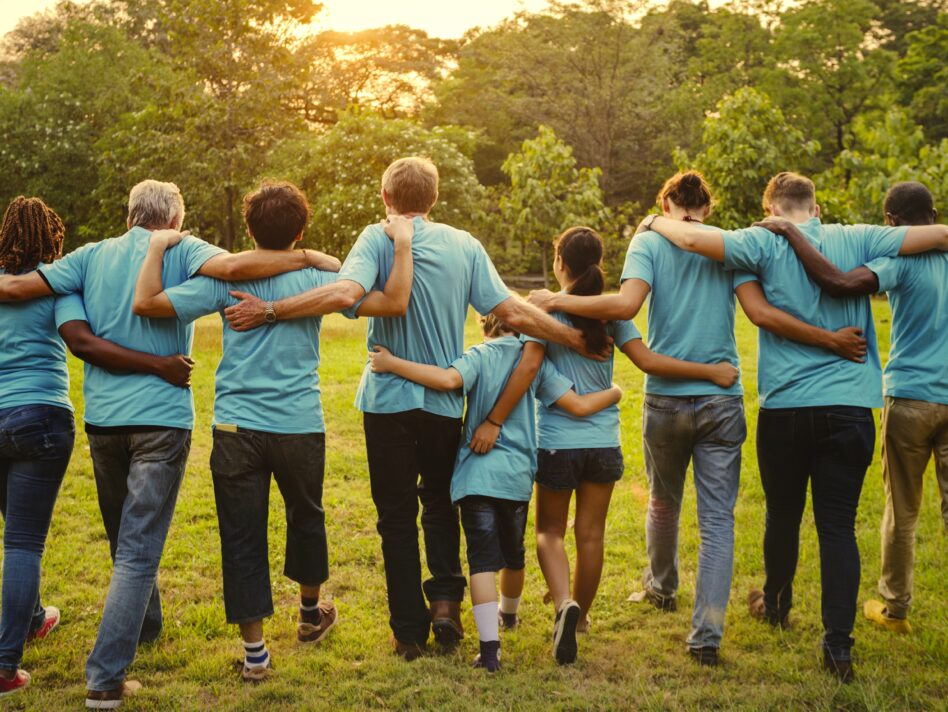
[[139, 308], [80, 347], [627, 312], [347, 300], [757, 317], [400, 308]]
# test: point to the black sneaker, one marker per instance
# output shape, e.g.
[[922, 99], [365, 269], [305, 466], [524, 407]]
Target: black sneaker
[[706, 655], [489, 657], [842, 669], [508, 621], [564, 632]]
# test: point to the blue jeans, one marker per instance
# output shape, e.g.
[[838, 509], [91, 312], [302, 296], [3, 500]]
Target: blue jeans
[[830, 448], [137, 476], [494, 528], [35, 445], [708, 430]]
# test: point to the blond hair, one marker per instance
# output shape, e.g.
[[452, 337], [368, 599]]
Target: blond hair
[[411, 184], [789, 191]]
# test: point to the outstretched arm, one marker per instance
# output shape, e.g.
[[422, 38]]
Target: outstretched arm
[[585, 405], [85, 345], [21, 287], [258, 264], [686, 236], [517, 385], [832, 280], [440, 379], [847, 343], [924, 238], [722, 374], [527, 319], [624, 305]]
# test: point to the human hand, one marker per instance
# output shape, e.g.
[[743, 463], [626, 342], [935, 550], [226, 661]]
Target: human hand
[[616, 392], [381, 359], [176, 370], [247, 314], [724, 374], [543, 299], [482, 442], [322, 261], [399, 228], [777, 225], [848, 343], [167, 238]]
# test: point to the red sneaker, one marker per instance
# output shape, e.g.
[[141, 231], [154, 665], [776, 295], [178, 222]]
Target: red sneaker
[[52, 620], [19, 682]]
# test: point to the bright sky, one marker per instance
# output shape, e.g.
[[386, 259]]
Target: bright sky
[[440, 18]]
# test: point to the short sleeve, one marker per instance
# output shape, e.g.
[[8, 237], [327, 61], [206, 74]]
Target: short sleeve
[[876, 241], [551, 384], [749, 249], [739, 277], [70, 308], [624, 331], [487, 288], [196, 252], [887, 269], [362, 262], [469, 366], [198, 296], [638, 260], [67, 274], [524, 338]]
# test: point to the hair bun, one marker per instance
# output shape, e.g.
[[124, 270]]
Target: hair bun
[[691, 180]]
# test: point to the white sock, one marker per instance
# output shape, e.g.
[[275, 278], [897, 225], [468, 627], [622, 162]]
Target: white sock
[[255, 654], [485, 615], [509, 605]]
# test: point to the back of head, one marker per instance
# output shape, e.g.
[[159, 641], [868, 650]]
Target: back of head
[[32, 233], [411, 185], [155, 205], [909, 203], [580, 249], [688, 190], [276, 214], [494, 328], [789, 192]]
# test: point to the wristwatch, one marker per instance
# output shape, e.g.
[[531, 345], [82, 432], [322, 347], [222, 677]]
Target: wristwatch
[[647, 223], [270, 315]]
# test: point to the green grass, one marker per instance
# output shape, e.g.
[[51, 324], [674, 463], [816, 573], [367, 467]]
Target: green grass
[[633, 658]]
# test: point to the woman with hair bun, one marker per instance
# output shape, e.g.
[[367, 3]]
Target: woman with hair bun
[[581, 455]]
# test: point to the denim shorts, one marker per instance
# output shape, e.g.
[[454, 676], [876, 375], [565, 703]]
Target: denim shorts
[[565, 469], [494, 530]]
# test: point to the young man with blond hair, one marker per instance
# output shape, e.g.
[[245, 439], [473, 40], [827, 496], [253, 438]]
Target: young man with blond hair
[[412, 432], [815, 424]]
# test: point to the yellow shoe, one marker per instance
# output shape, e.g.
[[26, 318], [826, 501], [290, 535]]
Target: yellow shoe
[[875, 611]]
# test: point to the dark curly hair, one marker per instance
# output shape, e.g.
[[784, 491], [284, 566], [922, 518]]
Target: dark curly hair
[[32, 233]]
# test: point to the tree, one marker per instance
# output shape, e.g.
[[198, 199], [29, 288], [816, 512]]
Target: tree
[[340, 171], [745, 143], [891, 150], [548, 193], [923, 75]]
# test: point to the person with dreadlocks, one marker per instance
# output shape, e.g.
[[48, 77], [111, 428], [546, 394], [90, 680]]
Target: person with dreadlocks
[[36, 420], [138, 426]]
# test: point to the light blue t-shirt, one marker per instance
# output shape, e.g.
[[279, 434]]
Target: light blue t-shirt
[[507, 471], [918, 295], [690, 311], [560, 430], [105, 272], [267, 379], [451, 271], [32, 355], [794, 375]]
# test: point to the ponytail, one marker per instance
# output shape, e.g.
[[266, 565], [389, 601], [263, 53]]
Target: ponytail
[[580, 248]]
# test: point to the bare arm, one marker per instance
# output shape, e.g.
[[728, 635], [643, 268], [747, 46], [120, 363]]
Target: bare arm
[[624, 305], [585, 405], [85, 345], [19, 288], [846, 343], [832, 280], [924, 238], [527, 319], [686, 236], [440, 379], [517, 385], [258, 264], [722, 374], [393, 300], [150, 298]]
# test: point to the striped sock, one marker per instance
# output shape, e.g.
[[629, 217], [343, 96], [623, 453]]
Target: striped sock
[[256, 655], [309, 611]]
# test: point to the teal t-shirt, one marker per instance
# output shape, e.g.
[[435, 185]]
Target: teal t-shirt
[[268, 378], [794, 375], [105, 273], [690, 311], [451, 271], [32, 355], [507, 471], [918, 295], [560, 430]]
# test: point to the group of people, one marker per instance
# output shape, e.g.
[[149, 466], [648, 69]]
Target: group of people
[[541, 408]]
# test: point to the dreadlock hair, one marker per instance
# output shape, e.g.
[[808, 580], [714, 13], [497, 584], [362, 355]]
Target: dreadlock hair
[[580, 248], [32, 233]]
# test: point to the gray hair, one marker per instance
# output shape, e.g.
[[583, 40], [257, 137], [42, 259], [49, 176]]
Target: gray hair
[[154, 204]]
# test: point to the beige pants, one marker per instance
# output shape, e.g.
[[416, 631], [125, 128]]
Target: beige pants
[[911, 432]]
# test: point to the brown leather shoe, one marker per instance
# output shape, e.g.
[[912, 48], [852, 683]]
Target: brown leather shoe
[[408, 651], [757, 609], [841, 669], [446, 623]]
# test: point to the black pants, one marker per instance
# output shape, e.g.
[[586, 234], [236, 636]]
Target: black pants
[[403, 447], [241, 465], [831, 447]]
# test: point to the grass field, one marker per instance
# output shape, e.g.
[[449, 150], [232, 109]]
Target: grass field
[[634, 657]]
